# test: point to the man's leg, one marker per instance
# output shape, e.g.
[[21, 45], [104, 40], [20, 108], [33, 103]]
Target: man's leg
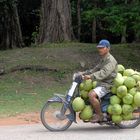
[[93, 98]]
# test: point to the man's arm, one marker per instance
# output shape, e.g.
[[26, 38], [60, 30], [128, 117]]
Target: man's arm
[[88, 72], [104, 72]]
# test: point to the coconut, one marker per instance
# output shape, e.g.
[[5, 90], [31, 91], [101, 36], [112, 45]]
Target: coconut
[[118, 81], [81, 87], [128, 72], [94, 84], [86, 113], [128, 99], [113, 90], [129, 82], [78, 104], [127, 116], [126, 109], [115, 100], [109, 109], [84, 94], [116, 118], [121, 91], [132, 91], [88, 85], [120, 68], [116, 109], [137, 99], [136, 77]]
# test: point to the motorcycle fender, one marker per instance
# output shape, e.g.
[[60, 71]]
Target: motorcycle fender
[[55, 99], [71, 117]]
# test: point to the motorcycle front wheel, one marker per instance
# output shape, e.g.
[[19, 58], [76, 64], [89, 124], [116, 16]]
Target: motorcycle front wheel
[[54, 116]]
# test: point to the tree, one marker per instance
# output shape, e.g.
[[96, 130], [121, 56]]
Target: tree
[[55, 24], [10, 31], [94, 22], [124, 34], [79, 18], [29, 14], [135, 20], [89, 14], [122, 19], [115, 17]]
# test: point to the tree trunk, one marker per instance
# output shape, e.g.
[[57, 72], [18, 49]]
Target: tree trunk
[[94, 24], [137, 38], [55, 24], [79, 18], [124, 34], [123, 38], [94, 30], [137, 31], [11, 36]]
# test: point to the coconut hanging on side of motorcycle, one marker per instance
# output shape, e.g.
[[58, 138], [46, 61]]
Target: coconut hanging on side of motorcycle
[[82, 105]]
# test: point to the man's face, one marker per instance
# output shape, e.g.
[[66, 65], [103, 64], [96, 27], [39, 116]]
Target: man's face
[[103, 51]]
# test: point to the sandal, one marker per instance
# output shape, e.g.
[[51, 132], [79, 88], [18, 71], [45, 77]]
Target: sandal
[[96, 118]]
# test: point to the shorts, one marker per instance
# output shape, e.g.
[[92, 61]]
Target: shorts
[[100, 91]]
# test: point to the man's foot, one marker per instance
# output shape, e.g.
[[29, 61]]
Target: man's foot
[[96, 118]]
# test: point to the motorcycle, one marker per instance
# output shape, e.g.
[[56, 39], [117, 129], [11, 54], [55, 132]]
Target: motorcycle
[[57, 114]]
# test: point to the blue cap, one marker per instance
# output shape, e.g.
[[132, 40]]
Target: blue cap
[[104, 43]]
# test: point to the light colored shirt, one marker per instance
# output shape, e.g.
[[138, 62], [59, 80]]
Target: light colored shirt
[[105, 71]]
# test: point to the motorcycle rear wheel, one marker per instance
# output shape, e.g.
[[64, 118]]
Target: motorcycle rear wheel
[[134, 122]]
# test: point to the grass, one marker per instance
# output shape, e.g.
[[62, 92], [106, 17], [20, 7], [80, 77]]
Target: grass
[[27, 91], [21, 92]]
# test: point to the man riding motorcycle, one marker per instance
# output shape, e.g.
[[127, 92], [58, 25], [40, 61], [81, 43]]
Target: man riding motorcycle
[[104, 73]]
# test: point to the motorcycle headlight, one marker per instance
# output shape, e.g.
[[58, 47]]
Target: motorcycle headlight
[[74, 75]]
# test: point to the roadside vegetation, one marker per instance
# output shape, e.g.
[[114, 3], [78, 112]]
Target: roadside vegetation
[[24, 91]]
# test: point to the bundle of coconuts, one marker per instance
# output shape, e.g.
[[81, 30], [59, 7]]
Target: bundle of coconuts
[[125, 96]]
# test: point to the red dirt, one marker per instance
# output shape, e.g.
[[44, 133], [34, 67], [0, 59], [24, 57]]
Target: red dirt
[[28, 118]]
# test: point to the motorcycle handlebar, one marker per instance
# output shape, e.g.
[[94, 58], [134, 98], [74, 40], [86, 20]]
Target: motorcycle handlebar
[[78, 78]]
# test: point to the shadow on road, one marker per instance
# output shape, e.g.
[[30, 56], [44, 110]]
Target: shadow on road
[[91, 128]]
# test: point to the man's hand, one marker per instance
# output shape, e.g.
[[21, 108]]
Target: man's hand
[[80, 73], [86, 77]]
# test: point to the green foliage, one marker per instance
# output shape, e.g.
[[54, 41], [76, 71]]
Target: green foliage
[[27, 91], [5, 4], [34, 36], [111, 16], [120, 15], [20, 95]]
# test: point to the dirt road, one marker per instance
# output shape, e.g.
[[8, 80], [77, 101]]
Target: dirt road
[[80, 131]]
